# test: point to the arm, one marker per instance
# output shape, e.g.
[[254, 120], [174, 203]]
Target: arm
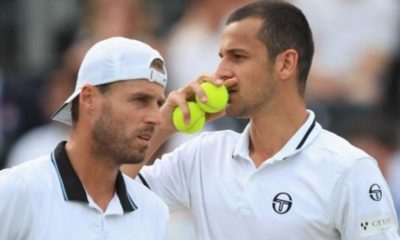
[[171, 176], [362, 204]]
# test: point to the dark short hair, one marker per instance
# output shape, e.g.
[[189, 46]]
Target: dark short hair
[[284, 27], [75, 110]]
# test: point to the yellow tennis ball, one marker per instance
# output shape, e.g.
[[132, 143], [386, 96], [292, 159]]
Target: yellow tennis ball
[[217, 98], [197, 119]]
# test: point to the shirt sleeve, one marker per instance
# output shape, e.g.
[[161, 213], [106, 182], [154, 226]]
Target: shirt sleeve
[[362, 204], [15, 207], [169, 177]]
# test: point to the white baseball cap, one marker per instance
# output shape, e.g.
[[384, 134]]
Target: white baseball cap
[[111, 60]]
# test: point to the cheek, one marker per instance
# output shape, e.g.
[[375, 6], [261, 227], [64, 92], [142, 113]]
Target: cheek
[[119, 120], [128, 122], [132, 121], [125, 113], [250, 70], [250, 79]]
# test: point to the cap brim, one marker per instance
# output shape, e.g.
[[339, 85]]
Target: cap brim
[[63, 114]]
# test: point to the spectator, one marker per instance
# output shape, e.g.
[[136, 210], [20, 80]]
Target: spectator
[[56, 90], [354, 42]]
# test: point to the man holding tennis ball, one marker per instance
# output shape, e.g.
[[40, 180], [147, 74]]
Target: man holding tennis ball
[[284, 177]]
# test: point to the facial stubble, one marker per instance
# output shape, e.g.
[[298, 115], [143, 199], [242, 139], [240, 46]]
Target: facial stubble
[[112, 142]]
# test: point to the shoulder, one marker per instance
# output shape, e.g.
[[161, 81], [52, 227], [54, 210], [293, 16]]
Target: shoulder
[[36, 142], [336, 159], [31, 168], [32, 175], [20, 184], [12, 182], [143, 197], [332, 147]]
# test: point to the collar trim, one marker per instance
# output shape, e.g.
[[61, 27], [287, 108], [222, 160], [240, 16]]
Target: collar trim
[[72, 187], [303, 140], [299, 140]]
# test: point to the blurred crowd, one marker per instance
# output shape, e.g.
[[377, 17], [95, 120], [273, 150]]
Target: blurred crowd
[[353, 87]]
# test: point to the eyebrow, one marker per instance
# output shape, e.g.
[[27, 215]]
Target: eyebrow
[[146, 95], [234, 51]]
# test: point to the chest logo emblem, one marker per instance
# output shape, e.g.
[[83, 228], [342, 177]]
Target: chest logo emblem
[[282, 203], [375, 192]]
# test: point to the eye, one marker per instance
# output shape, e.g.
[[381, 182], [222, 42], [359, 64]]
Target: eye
[[160, 103], [145, 101], [142, 100], [238, 56]]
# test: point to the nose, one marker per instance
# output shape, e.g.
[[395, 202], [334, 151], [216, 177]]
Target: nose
[[225, 72], [154, 116]]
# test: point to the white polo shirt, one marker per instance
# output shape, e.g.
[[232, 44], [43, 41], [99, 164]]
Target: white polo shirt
[[317, 186], [44, 199]]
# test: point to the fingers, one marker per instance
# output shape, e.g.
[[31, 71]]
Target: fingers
[[180, 97], [230, 82], [196, 89], [193, 88]]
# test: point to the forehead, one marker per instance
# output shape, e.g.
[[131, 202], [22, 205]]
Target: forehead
[[138, 86], [242, 34]]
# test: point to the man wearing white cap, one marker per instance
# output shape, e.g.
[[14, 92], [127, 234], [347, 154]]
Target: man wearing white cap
[[78, 192]]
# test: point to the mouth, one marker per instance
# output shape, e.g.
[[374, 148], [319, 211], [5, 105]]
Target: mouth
[[146, 135], [231, 92], [232, 89]]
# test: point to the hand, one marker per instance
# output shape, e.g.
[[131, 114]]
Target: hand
[[180, 97]]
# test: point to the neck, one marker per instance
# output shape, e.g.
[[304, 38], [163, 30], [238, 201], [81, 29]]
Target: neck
[[96, 175], [270, 130]]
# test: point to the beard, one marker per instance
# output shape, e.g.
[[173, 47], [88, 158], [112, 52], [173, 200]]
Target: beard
[[112, 142], [245, 107]]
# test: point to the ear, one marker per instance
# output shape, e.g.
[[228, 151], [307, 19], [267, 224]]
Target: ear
[[286, 63], [87, 99]]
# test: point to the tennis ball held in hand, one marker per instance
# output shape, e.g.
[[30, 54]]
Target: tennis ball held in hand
[[217, 98], [197, 119]]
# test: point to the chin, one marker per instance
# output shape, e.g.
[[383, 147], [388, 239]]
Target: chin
[[136, 157], [232, 111], [236, 113], [133, 161]]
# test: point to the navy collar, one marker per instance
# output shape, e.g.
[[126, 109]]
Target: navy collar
[[302, 138], [72, 187]]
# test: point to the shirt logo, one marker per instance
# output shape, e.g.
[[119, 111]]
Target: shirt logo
[[364, 225], [376, 225], [375, 192], [282, 203]]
